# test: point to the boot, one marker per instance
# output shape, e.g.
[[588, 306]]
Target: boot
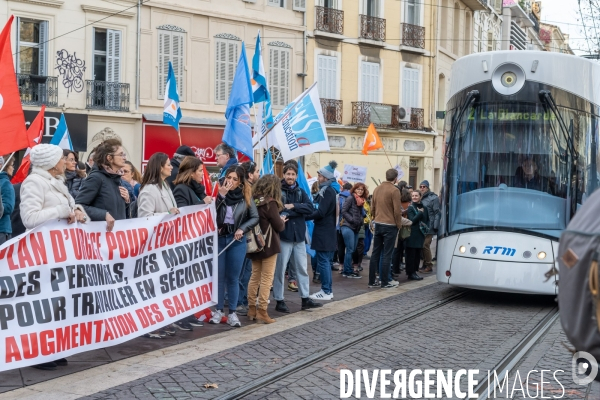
[[251, 312], [262, 316], [308, 303], [282, 307]]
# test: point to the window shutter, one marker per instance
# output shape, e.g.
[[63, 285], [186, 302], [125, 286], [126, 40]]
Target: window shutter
[[327, 77], [221, 72], [164, 51], [370, 82], [417, 12], [274, 75], [43, 53], [177, 48], [299, 5], [279, 76], [113, 56], [410, 88], [232, 55]]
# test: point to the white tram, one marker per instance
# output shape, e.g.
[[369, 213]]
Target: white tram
[[521, 157]]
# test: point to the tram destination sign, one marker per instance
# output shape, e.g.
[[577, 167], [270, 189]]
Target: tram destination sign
[[505, 115]]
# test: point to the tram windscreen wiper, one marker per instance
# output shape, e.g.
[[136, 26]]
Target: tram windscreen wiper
[[472, 96], [548, 102]]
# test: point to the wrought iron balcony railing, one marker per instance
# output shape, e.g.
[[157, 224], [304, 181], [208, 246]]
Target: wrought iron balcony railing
[[413, 35], [36, 90], [332, 111], [417, 118], [372, 28], [381, 115], [111, 96], [330, 20]]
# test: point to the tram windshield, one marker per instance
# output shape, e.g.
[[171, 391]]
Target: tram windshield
[[508, 168]]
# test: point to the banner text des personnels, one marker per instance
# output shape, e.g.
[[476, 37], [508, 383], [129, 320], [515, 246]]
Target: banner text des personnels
[[66, 289]]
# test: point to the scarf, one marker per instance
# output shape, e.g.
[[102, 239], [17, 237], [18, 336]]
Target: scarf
[[111, 171], [199, 189], [234, 196], [359, 200]]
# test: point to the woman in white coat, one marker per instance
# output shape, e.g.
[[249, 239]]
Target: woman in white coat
[[45, 197], [156, 198]]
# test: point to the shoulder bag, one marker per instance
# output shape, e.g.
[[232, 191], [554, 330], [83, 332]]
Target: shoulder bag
[[256, 241], [422, 225]]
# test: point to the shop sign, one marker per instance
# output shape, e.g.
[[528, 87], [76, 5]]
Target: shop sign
[[77, 124]]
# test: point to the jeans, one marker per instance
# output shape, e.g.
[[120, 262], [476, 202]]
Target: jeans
[[230, 266], [291, 271], [350, 241], [324, 268], [383, 242], [296, 252], [413, 259], [261, 281], [358, 255], [244, 279], [427, 256]]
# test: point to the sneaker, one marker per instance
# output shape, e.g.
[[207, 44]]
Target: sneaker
[[183, 325], [216, 317], [393, 282], [335, 267], [354, 275], [242, 310], [193, 321], [389, 286], [376, 284], [293, 286], [169, 330], [153, 335], [233, 320], [308, 303], [321, 295]]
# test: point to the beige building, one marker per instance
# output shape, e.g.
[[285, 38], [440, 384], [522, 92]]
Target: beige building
[[554, 39], [373, 62]]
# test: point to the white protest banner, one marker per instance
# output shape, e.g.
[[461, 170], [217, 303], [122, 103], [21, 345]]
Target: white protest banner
[[355, 173], [311, 182], [300, 128], [66, 289], [400, 171]]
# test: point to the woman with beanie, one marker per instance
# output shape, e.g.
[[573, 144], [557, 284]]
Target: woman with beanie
[[7, 200], [236, 216], [267, 197], [45, 197], [74, 177], [101, 194]]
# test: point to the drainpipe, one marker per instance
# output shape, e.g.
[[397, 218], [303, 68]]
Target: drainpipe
[[137, 60]]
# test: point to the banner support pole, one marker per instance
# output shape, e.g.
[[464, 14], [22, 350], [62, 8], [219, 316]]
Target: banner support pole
[[7, 161]]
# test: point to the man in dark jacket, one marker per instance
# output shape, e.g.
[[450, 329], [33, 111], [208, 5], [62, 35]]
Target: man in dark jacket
[[225, 156], [297, 206], [181, 153], [325, 217], [431, 201]]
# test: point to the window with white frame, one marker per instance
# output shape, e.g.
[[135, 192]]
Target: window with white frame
[[32, 54], [276, 3], [170, 48], [279, 75], [107, 55], [410, 87], [226, 59], [327, 67], [372, 8], [369, 82], [413, 12]]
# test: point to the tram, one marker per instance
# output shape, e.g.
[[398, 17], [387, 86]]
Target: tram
[[521, 156]]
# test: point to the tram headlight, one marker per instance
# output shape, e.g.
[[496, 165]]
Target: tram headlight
[[541, 255], [462, 249], [508, 79]]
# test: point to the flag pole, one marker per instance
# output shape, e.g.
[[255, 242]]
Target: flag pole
[[260, 154], [388, 157], [179, 134], [7, 161]]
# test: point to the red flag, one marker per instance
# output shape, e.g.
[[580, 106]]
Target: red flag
[[206, 181], [34, 136], [12, 131]]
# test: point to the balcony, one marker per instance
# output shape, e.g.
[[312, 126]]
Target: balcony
[[36, 90], [536, 23], [330, 20], [372, 28], [413, 36], [332, 111], [417, 119], [381, 115], [112, 96]]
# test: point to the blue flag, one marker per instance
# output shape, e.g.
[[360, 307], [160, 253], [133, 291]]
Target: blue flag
[[171, 111], [238, 131], [267, 164], [259, 77], [61, 136], [310, 225]]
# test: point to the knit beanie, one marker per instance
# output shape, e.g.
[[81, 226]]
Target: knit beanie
[[425, 183], [185, 151], [45, 156], [328, 171]]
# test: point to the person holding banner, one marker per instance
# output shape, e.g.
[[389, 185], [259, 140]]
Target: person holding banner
[[7, 201], [101, 194], [236, 216], [74, 177]]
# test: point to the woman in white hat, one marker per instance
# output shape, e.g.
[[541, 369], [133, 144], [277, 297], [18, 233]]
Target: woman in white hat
[[45, 197]]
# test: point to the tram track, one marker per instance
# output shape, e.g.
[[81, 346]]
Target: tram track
[[274, 376]]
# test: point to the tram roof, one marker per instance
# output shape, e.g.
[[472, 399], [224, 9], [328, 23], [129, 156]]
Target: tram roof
[[574, 74]]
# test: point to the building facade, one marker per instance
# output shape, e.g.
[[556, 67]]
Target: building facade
[[487, 27], [372, 61], [554, 39]]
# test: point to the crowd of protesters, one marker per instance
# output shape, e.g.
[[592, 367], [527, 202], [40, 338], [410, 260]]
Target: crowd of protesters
[[397, 221]]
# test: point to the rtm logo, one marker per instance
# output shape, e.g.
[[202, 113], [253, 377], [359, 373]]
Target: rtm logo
[[506, 251]]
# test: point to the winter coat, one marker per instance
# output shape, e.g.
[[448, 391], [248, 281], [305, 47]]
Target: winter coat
[[73, 182], [244, 217], [8, 202], [386, 206], [155, 200], [295, 227], [352, 214], [268, 215], [175, 163], [45, 198], [416, 238], [100, 194], [230, 162], [185, 195], [15, 217], [431, 201], [324, 233], [344, 194]]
